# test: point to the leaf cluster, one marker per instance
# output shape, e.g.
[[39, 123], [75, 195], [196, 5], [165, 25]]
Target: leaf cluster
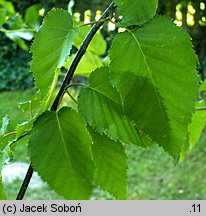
[[144, 96]]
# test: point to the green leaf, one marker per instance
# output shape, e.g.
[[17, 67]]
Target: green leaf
[[25, 106], [155, 73], [98, 45], [59, 148], [34, 107], [37, 105], [50, 49], [136, 12], [100, 105], [7, 156], [32, 16], [8, 6], [111, 165], [2, 16], [89, 62], [5, 123], [24, 127]]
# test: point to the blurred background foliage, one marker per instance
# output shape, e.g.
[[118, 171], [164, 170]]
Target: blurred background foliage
[[152, 174]]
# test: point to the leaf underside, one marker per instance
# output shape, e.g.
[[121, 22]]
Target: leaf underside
[[51, 46]]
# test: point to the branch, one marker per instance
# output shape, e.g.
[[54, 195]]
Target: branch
[[94, 22], [17, 139], [66, 82], [80, 53], [75, 85], [74, 100], [25, 183], [9, 134]]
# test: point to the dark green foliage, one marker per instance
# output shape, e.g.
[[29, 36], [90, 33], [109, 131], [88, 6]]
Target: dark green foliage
[[14, 66]]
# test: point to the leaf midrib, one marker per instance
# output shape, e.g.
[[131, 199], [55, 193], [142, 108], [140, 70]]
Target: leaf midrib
[[62, 137], [150, 75]]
